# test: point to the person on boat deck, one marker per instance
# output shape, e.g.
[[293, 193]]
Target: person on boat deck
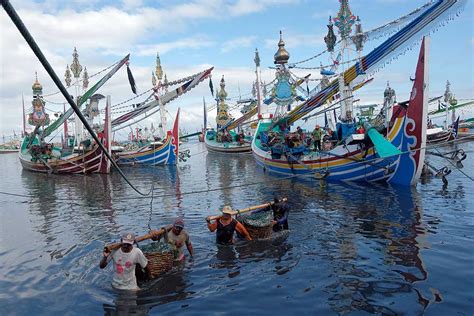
[[360, 130], [124, 259], [241, 138], [317, 132], [225, 226], [177, 236]]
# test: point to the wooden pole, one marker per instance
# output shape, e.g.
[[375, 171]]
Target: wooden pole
[[151, 234], [248, 209]]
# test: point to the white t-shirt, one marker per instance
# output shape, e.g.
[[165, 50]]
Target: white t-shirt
[[179, 241], [124, 268]]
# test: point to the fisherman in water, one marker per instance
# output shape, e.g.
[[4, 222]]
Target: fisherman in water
[[124, 259], [177, 236], [226, 226], [280, 214]]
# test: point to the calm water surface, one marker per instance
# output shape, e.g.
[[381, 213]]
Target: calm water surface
[[353, 248]]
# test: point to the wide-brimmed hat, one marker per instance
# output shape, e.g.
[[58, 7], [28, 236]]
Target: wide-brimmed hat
[[227, 210], [128, 238]]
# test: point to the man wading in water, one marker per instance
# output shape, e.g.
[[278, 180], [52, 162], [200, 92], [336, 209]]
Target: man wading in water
[[125, 258], [177, 236], [226, 226]]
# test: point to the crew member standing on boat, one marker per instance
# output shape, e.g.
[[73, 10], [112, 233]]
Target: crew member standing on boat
[[317, 137], [226, 226], [125, 258]]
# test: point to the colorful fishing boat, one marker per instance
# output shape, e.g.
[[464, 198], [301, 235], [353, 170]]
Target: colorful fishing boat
[[154, 153], [165, 151], [36, 155], [390, 148], [355, 161], [82, 155], [225, 139]]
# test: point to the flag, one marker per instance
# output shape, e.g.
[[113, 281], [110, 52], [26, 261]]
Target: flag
[[455, 128], [211, 86], [326, 123], [131, 80]]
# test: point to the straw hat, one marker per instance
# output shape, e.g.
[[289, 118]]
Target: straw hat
[[227, 210]]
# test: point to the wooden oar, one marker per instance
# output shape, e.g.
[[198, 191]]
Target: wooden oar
[[153, 233], [248, 209]]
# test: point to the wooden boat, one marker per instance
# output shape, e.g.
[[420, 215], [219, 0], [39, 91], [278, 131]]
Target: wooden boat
[[165, 153], [353, 160], [225, 139], [48, 158], [233, 147], [438, 135]]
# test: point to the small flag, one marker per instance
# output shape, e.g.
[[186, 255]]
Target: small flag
[[211, 86], [455, 128], [131, 80]]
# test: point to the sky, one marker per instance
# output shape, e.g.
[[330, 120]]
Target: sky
[[191, 36]]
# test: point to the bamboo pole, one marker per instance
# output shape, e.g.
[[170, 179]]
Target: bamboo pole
[[151, 234], [248, 209]]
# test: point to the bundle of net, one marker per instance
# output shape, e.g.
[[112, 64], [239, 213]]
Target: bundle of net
[[257, 219]]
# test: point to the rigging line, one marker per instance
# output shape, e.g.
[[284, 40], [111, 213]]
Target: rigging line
[[39, 54], [132, 98], [230, 187], [81, 80], [456, 167]]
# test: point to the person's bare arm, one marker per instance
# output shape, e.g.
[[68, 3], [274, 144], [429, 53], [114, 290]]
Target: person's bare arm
[[103, 261], [211, 226], [243, 231], [190, 248]]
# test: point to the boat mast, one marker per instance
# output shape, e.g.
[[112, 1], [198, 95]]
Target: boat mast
[[76, 70], [24, 119], [389, 100], [157, 87], [257, 83], [447, 99], [344, 21]]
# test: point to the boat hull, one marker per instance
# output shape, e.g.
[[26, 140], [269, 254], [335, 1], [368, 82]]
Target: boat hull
[[166, 154], [227, 147], [407, 132], [160, 155]]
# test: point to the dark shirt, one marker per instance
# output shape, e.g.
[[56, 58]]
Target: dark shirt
[[225, 234], [280, 215]]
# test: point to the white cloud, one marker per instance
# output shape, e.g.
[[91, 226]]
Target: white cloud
[[236, 43]]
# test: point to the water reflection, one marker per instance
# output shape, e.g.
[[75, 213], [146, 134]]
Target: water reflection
[[384, 239]]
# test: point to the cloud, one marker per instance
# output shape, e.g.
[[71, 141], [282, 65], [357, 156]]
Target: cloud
[[236, 43]]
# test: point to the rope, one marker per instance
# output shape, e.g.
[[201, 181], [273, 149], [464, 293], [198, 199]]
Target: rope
[[97, 73], [456, 167]]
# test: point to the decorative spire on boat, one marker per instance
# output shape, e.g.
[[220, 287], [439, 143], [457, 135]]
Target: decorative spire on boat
[[67, 76], [85, 79], [38, 117], [223, 117], [282, 55], [158, 69], [359, 37], [76, 67], [330, 38], [344, 19]]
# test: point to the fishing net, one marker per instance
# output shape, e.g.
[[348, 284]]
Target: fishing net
[[160, 257], [259, 224]]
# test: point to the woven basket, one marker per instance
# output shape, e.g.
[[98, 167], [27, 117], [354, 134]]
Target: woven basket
[[259, 232], [159, 263], [258, 224]]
